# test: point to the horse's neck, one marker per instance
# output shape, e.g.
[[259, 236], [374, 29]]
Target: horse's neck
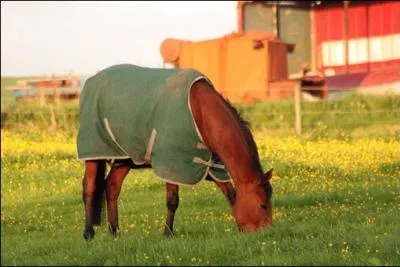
[[222, 133]]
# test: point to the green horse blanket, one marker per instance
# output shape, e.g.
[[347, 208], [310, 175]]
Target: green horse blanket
[[144, 114]]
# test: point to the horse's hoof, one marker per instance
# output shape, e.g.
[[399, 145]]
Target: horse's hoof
[[88, 234], [114, 230]]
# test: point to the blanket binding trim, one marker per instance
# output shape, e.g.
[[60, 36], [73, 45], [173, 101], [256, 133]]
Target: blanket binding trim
[[110, 133], [190, 107], [104, 157]]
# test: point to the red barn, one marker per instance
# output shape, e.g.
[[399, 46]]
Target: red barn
[[332, 37]]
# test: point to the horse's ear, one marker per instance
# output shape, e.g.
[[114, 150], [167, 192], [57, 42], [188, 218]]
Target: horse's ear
[[268, 174]]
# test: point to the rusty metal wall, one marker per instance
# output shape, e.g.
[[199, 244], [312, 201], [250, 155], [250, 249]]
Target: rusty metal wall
[[258, 17], [294, 27]]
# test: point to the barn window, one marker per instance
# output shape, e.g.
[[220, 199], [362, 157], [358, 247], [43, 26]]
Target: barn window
[[358, 52], [384, 48], [381, 48], [333, 53], [396, 46]]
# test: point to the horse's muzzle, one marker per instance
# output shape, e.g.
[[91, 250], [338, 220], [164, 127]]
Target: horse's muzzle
[[250, 228]]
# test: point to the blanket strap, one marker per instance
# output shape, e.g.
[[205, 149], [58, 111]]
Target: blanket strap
[[200, 145], [208, 163], [150, 144]]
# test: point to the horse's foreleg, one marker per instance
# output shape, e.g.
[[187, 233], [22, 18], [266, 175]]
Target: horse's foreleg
[[114, 181], [172, 205], [228, 190], [93, 187]]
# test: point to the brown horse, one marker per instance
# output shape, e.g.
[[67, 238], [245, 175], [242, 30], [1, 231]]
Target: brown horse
[[227, 135]]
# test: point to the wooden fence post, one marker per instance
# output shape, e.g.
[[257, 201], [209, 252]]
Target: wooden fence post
[[42, 96], [297, 106], [57, 96], [53, 118]]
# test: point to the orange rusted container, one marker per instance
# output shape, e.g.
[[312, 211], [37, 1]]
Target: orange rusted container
[[240, 65]]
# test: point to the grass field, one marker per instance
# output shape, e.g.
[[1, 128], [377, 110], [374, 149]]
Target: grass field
[[336, 198]]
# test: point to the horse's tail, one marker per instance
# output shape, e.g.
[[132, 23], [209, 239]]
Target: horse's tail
[[99, 194]]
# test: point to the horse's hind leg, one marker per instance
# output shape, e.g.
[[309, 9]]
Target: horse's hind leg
[[114, 181], [172, 205], [93, 189]]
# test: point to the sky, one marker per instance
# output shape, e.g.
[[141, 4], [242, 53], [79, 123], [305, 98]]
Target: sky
[[61, 37]]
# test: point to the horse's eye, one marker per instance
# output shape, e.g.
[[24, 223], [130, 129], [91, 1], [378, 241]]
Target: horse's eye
[[263, 206]]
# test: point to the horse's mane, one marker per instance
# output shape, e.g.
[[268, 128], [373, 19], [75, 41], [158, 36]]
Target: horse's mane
[[245, 127]]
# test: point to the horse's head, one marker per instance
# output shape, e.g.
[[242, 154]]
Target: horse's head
[[253, 208]]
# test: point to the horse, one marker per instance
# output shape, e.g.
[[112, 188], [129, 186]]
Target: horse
[[225, 133]]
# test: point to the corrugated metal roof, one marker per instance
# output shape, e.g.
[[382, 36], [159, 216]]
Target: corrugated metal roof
[[294, 3], [307, 3]]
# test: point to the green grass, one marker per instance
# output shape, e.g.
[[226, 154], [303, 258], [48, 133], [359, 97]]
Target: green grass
[[331, 206], [323, 214]]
